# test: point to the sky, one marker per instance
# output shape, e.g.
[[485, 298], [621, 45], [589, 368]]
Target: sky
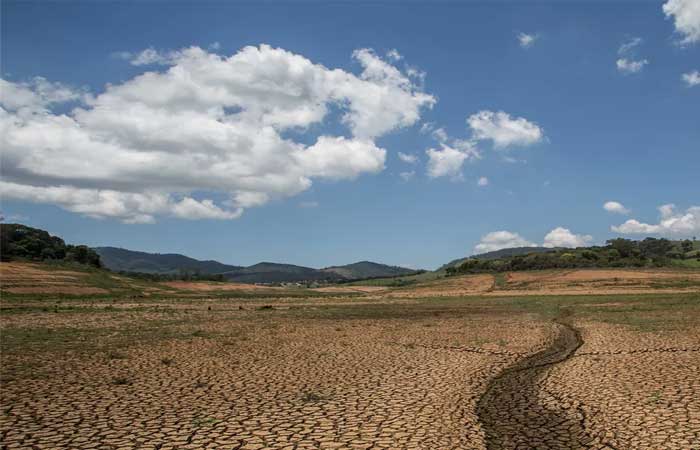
[[319, 134]]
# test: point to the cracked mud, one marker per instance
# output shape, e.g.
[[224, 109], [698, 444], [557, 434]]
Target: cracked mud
[[362, 372], [517, 411]]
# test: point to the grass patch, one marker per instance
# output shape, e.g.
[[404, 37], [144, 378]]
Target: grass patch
[[311, 397]]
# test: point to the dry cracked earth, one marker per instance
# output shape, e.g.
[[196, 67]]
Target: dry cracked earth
[[340, 372]]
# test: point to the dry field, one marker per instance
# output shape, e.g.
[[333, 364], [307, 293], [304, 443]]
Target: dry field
[[458, 363]]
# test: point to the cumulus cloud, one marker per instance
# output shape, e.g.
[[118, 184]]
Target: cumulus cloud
[[482, 181], [672, 223], [498, 240], [629, 66], [505, 131], [563, 237], [691, 78], [448, 160], [408, 158], [686, 17], [168, 142], [526, 40], [615, 207], [37, 95]]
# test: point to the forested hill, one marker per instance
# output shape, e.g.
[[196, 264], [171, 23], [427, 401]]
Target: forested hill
[[498, 254], [650, 252], [122, 260], [19, 241], [368, 269]]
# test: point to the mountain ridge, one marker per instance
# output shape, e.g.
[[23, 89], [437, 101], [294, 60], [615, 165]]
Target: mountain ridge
[[124, 260]]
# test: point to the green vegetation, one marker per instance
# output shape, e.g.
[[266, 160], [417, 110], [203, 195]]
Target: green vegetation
[[19, 241], [368, 270], [619, 252]]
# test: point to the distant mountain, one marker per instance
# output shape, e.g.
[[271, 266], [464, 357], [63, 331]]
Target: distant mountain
[[119, 259], [267, 272], [368, 269], [497, 254]]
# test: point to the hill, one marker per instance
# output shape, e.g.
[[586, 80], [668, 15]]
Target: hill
[[498, 254], [21, 242], [368, 269], [122, 260], [268, 272], [617, 253]]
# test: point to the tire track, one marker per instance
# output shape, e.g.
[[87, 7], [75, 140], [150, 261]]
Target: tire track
[[517, 412]]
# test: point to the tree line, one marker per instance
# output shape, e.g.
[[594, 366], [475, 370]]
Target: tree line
[[650, 252]]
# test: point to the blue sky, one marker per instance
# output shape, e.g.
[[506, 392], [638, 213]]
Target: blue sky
[[595, 109]]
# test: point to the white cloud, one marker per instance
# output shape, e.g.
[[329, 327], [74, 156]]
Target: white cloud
[[167, 142], [671, 223], [448, 160], [629, 66], [216, 45], [497, 240], [691, 78], [627, 47], [151, 56], [482, 181], [427, 127], [189, 208], [686, 14], [615, 207], [563, 237], [440, 135], [394, 55], [408, 158], [628, 63], [339, 158], [527, 40], [37, 95], [445, 162], [504, 130], [407, 176]]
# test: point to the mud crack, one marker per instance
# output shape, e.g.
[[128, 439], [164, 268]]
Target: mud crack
[[516, 411]]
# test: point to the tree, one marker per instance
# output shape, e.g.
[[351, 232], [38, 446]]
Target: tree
[[687, 246], [625, 247], [655, 248]]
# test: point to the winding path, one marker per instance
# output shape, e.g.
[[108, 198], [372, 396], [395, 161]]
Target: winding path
[[517, 412]]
